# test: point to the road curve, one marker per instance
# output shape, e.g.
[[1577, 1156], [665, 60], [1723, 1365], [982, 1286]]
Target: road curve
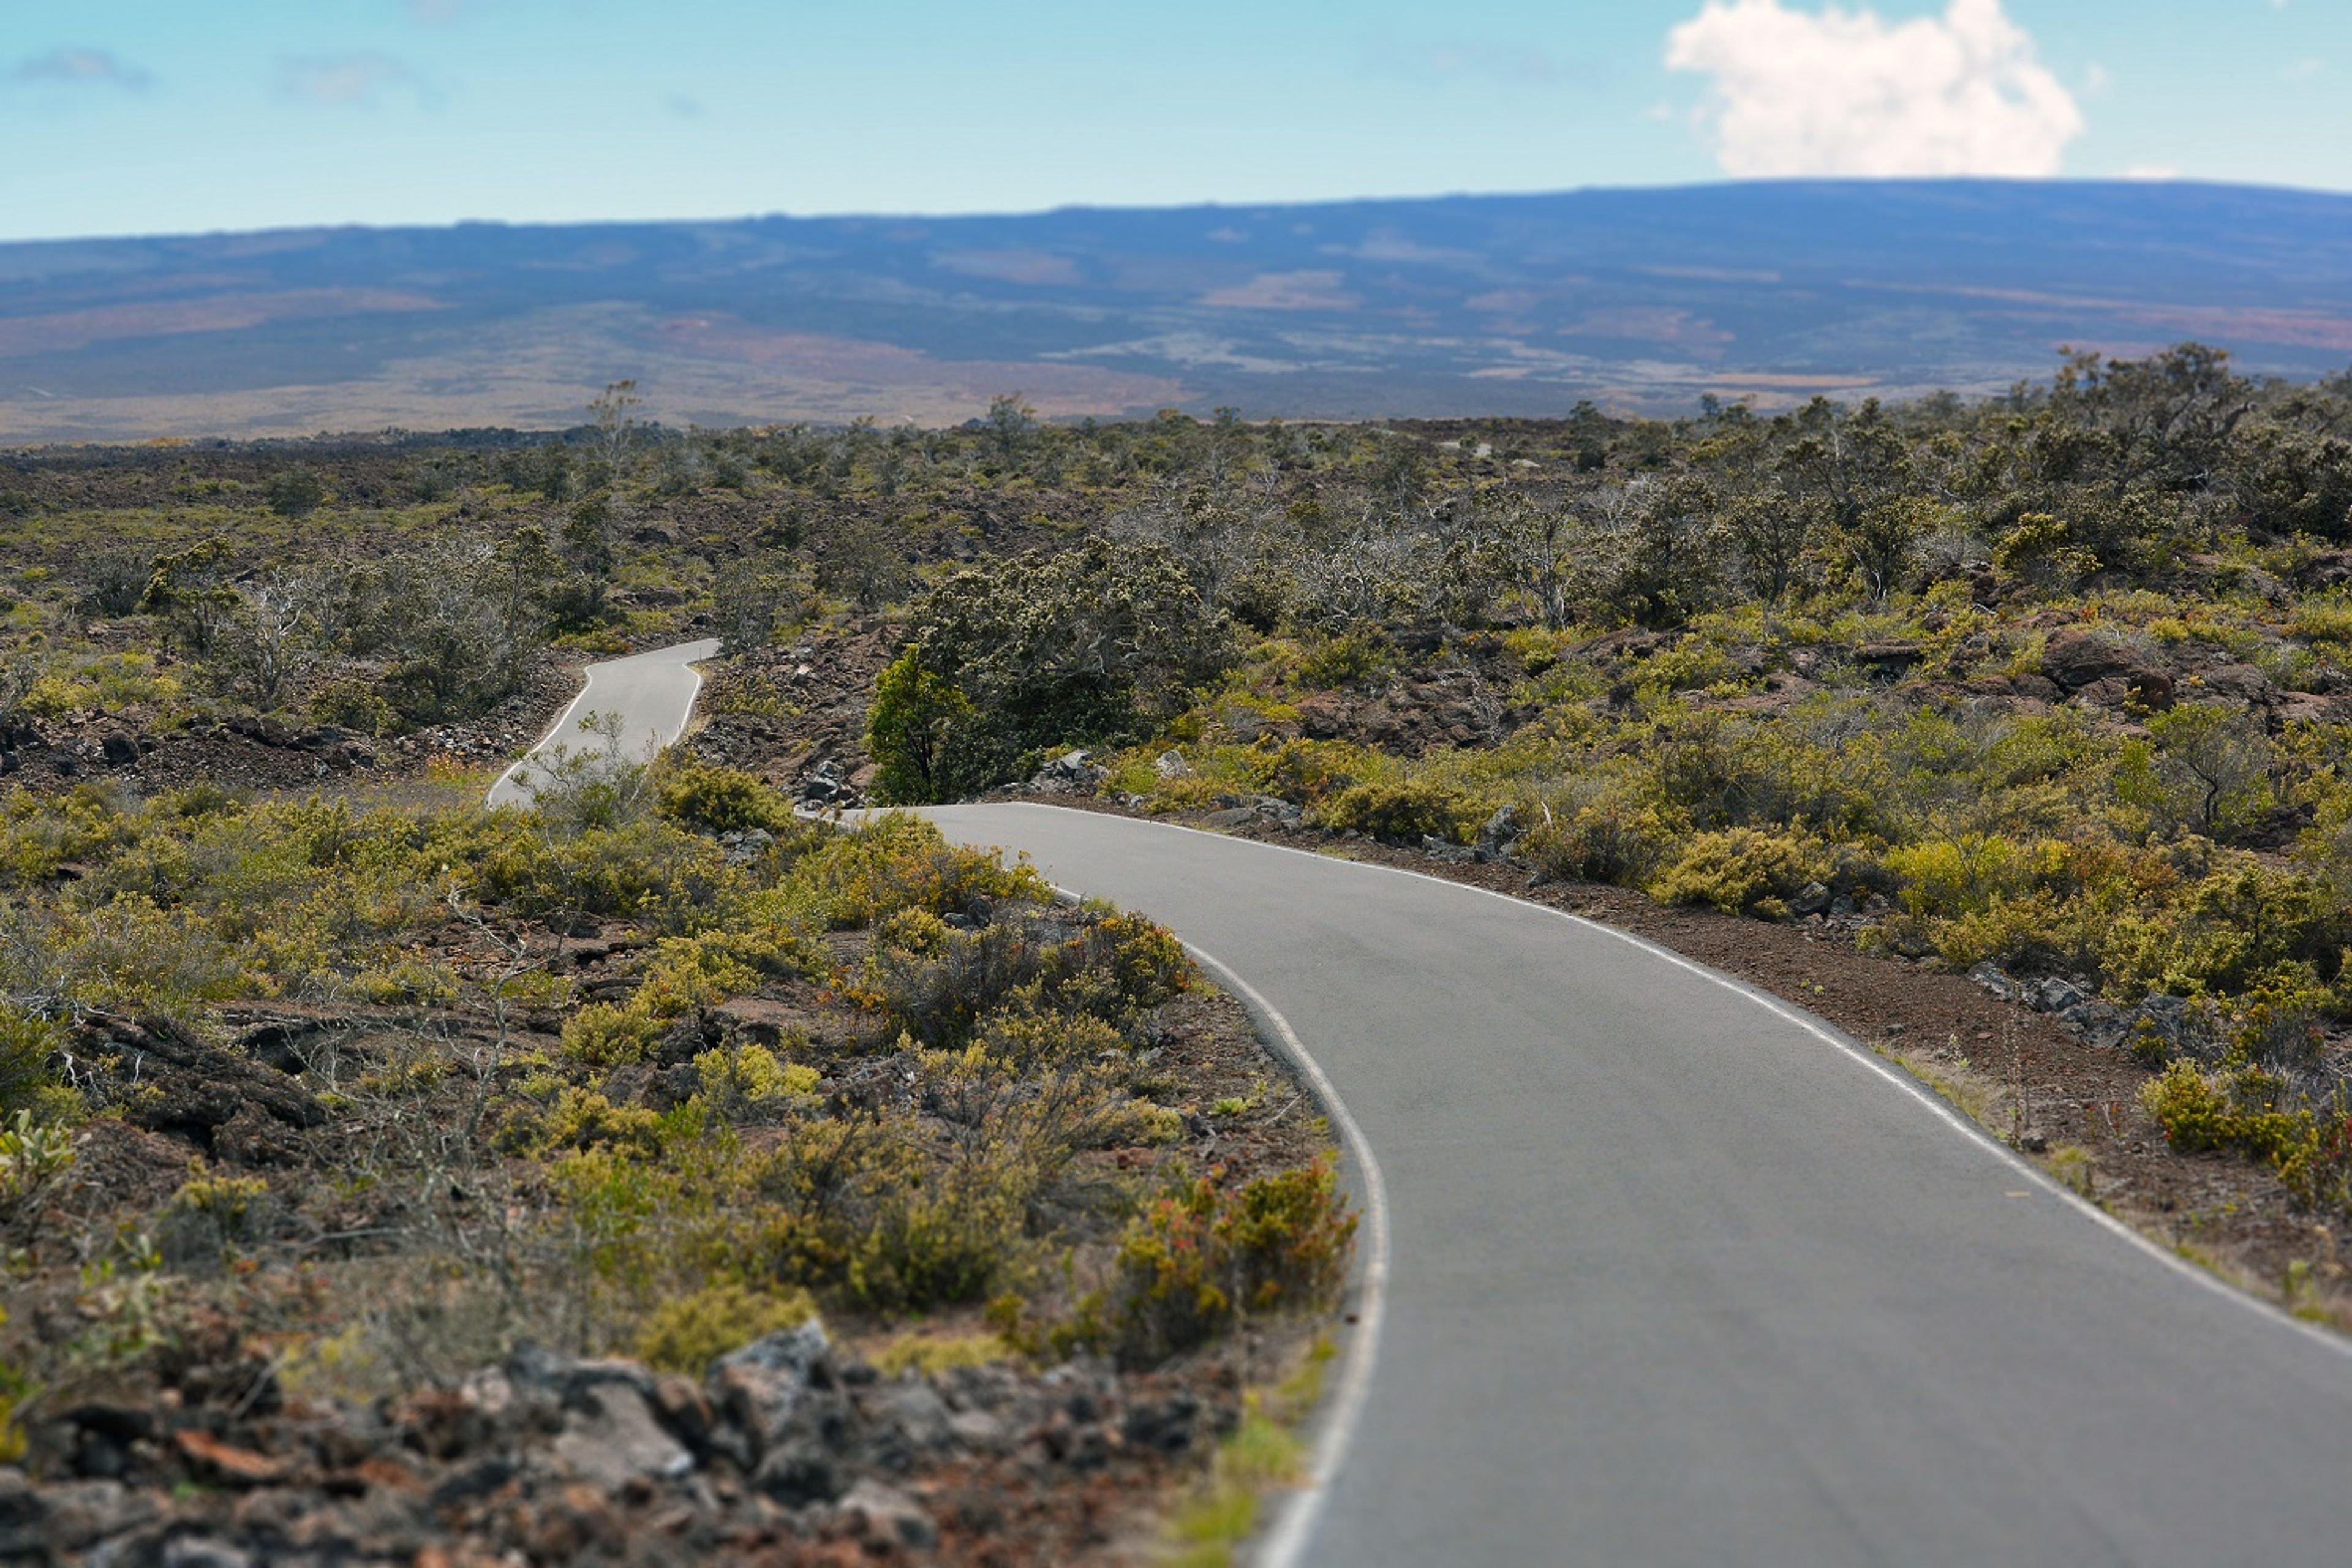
[[653, 692], [1681, 1276]]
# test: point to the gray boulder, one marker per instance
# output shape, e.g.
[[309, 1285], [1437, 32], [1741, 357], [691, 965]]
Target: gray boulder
[[2097, 1025], [823, 785], [1497, 835], [1998, 981], [884, 1516], [2053, 995], [613, 1439], [1071, 773], [762, 1387]]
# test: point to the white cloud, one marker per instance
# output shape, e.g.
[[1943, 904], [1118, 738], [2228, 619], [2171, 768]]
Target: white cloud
[[1841, 92], [81, 68]]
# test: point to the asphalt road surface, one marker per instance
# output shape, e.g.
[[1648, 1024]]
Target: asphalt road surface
[[652, 692], [1677, 1277]]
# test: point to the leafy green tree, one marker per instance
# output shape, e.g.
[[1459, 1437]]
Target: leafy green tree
[[1653, 551], [1011, 424], [297, 492], [750, 596], [865, 558], [918, 714], [189, 591], [1097, 644]]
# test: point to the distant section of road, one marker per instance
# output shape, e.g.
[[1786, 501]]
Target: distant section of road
[[652, 693], [1679, 1275]]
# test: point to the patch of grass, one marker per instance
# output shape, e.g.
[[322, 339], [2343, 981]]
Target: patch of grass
[[1258, 1456], [928, 1354]]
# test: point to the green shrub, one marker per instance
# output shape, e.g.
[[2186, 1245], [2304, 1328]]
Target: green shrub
[[1737, 870], [33, 1153], [1204, 1254], [27, 1081], [947, 1242], [719, 800], [1614, 838], [1406, 811], [1351, 658], [2239, 1111], [354, 705]]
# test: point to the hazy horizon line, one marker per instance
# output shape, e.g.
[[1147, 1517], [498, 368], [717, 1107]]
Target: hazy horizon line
[[1209, 205]]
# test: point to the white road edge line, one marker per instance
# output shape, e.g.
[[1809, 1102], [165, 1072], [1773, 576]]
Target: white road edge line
[[1854, 1050], [1281, 1545], [563, 721], [1287, 1538]]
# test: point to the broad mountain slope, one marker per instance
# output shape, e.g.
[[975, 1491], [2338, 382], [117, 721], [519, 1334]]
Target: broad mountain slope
[[1642, 300]]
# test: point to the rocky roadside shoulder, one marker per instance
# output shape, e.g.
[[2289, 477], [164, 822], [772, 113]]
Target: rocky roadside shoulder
[[790, 1449]]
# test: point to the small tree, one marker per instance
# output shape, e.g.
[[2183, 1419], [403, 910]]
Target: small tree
[[268, 643], [615, 412], [1009, 422], [296, 491], [750, 597], [190, 594], [2218, 761], [1771, 531], [1653, 551]]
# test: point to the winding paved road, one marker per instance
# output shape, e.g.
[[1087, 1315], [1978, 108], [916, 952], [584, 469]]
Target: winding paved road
[[653, 692], [1679, 1276]]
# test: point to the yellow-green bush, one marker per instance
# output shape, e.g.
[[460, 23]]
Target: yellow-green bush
[[748, 1080], [1737, 870], [582, 1119], [721, 800], [930, 1354], [1406, 810], [1206, 1252], [687, 1333], [2239, 1112]]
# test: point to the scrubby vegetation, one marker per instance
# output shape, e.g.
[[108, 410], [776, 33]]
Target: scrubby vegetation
[[2055, 689], [320, 1098]]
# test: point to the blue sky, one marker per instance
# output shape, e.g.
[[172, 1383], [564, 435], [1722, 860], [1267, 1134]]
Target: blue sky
[[157, 116]]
